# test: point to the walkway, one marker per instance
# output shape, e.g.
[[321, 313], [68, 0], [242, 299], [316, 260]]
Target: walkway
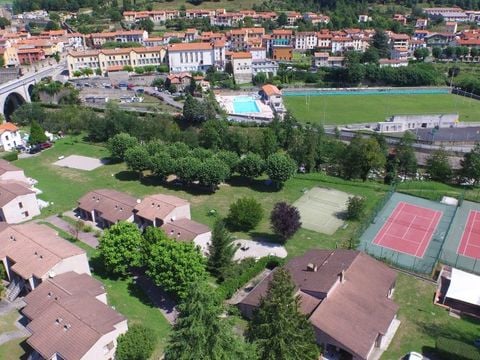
[[85, 237]]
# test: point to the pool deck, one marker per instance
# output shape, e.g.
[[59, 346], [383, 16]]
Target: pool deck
[[265, 111]]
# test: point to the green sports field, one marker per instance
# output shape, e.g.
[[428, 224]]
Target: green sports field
[[349, 109]]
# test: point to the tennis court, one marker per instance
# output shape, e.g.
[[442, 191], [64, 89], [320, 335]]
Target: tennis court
[[470, 243], [408, 232], [322, 209], [462, 246], [409, 229]]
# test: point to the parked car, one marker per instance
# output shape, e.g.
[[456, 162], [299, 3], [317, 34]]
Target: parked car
[[20, 148], [34, 149], [414, 356], [45, 145]]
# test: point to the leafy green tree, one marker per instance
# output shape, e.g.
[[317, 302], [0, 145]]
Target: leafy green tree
[[213, 134], [200, 331], [278, 328], [269, 144], [121, 247], [282, 19], [188, 169], [37, 134], [370, 56], [251, 165], [4, 22], [407, 162], [175, 265], [361, 156], [244, 214], [471, 164], [119, 144], [28, 112], [229, 158], [137, 343], [438, 166], [421, 53], [221, 250], [280, 168], [355, 207], [137, 159], [285, 220], [436, 52], [212, 172], [380, 42], [162, 164], [146, 24]]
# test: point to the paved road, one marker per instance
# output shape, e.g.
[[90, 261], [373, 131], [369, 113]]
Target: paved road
[[87, 238]]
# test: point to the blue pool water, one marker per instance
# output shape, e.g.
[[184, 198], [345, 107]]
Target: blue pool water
[[365, 92], [242, 105]]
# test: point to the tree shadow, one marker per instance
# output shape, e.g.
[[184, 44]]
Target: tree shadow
[[430, 353], [127, 175], [27, 350], [176, 185], [260, 185], [266, 237]]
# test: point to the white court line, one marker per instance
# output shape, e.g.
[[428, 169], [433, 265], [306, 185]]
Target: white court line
[[409, 226], [469, 233], [428, 233], [396, 250], [475, 213], [391, 223]]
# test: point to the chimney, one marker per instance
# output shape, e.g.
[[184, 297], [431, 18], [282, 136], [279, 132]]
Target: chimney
[[312, 267], [341, 276]]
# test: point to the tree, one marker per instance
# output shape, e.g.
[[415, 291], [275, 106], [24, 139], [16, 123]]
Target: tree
[[137, 159], [162, 164], [269, 144], [201, 332], [380, 42], [213, 134], [229, 158], [244, 214], [471, 164], [188, 169], [280, 168], [251, 165], [370, 56], [421, 53], [355, 207], [360, 157], [137, 343], [37, 134], [212, 172], [282, 19], [121, 247], [285, 220], [146, 24], [438, 166], [278, 328], [4, 22], [119, 144], [221, 250], [436, 52], [175, 265], [407, 162]]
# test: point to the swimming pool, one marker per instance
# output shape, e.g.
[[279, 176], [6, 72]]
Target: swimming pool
[[386, 91], [245, 104]]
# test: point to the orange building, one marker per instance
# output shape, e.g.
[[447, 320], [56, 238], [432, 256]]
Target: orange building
[[284, 53]]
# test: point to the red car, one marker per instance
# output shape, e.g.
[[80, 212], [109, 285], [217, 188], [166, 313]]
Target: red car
[[45, 145]]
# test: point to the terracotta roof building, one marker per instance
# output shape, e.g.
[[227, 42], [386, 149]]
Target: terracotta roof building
[[158, 209], [31, 252], [347, 297], [106, 207], [18, 202], [70, 319]]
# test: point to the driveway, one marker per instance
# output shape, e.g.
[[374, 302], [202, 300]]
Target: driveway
[[258, 249], [87, 238]]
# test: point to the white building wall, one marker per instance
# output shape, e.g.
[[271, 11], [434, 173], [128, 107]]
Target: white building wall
[[77, 263], [100, 351], [203, 241], [197, 60], [14, 214], [14, 175], [9, 140]]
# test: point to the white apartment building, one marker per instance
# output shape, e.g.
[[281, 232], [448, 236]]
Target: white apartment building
[[196, 56], [306, 40], [138, 36], [242, 67]]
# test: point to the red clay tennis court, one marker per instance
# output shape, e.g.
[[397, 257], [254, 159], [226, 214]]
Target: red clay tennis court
[[470, 243], [409, 229]]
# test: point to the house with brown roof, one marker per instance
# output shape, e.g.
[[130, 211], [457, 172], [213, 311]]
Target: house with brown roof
[[69, 319], [31, 253], [271, 95], [347, 296], [106, 207], [18, 202], [172, 214], [10, 136], [11, 172]]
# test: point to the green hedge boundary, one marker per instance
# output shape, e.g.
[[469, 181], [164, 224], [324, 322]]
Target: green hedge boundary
[[455, 349]]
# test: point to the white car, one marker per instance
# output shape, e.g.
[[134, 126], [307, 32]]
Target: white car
[[414, 356]]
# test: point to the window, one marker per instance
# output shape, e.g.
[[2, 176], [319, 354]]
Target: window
[[25, 214], [20, 205]]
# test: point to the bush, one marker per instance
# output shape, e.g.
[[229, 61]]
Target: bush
[[244, 214], [455, 349], [244, 271], [10, 156], [355, 208], [137, 343]]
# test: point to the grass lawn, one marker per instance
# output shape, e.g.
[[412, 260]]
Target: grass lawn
[[14, 350], [348, 109], [7, 322], [422, 321], [64, 186]]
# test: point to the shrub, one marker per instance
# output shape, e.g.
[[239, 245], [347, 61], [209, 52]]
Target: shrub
[[455, 349], [355, 208], [285, 220], [137, 343], [244, 214], [10, 156], [244, 271]]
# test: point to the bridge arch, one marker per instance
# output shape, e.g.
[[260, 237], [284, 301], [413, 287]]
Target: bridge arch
[[13, 101], [30, 90]]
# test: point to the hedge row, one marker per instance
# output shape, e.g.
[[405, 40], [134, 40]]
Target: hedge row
[[232, 284], [455, 349], [10, 156]]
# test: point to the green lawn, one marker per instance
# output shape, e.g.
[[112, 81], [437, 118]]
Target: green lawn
[[63, 187], [7, 321], [348, 109], [14, 350], [422, 321]]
